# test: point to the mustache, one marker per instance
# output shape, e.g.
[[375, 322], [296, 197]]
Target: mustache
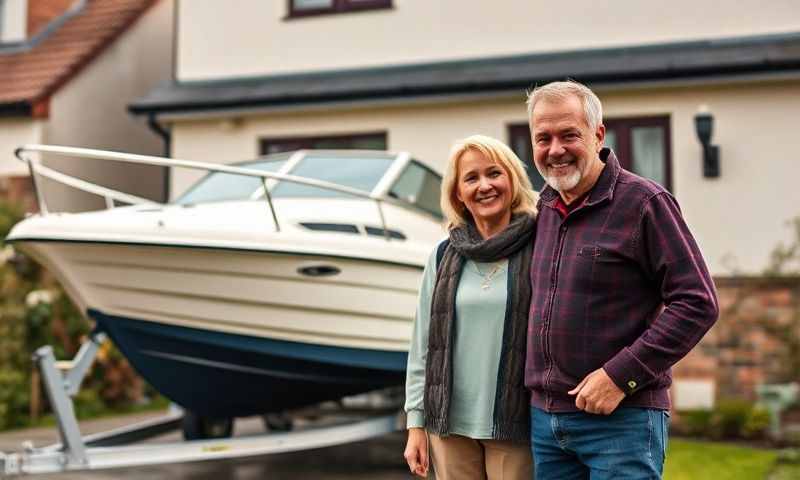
[[549, 161]]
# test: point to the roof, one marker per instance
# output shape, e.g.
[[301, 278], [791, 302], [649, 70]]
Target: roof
[[30, 73], [681, 60]]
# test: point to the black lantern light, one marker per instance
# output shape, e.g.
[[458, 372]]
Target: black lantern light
[[704, 125]]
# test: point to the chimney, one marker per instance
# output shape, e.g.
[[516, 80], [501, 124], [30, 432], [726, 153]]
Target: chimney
[[13, 18]]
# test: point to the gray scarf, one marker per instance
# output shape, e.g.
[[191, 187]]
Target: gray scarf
[[512, 405]]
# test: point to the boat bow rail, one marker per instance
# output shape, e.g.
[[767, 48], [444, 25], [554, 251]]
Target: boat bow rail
[[111, 196]]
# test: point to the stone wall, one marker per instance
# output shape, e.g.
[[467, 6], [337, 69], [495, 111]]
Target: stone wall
[[749, 343]]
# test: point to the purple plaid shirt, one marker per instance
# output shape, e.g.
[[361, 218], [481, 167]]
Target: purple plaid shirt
[[618, 283]]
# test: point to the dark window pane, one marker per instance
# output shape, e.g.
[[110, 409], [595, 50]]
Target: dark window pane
[[311, 4], [611, 140], [373, 141], [647, 146], [642, 146], [520, 143]]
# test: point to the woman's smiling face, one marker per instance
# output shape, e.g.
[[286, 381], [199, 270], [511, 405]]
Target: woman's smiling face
[[484, 187]]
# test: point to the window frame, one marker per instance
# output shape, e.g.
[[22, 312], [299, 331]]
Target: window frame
[[2, 16], [623, 126], [339, 6], [523, 129], [307, 142]]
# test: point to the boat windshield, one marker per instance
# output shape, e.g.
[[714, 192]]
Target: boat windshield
[[361, 172], [219, 187]]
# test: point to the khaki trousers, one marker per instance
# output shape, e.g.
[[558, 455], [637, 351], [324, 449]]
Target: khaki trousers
[[463, 458]]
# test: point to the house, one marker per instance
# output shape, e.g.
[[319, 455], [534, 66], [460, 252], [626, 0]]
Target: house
[[411, 75], [68, 69]]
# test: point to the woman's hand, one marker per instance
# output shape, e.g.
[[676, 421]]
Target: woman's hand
[[416, 453]]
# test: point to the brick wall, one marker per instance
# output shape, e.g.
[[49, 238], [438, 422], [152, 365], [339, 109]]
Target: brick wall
[[19, 190], [739, 353]]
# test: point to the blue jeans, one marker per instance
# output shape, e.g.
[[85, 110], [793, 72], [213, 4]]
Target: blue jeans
[[630, 443]]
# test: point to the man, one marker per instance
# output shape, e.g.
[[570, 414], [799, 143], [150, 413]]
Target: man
[[620, 294]]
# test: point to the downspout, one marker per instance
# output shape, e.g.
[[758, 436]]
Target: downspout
[[166, 137]]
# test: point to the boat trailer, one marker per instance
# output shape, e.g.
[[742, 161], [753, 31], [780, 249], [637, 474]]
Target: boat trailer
[[117, 449]]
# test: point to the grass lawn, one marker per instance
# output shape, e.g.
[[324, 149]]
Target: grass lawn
[[689, 460]]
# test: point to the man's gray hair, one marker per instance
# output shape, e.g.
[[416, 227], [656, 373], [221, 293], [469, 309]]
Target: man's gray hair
[[559, 91]]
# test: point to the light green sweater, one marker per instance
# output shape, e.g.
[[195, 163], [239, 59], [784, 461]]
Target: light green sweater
[[480, 315]]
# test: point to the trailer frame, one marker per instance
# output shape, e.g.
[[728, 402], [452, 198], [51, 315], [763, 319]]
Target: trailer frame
[[117, 448]]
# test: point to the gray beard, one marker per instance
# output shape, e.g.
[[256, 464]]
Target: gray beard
[[563, 183]]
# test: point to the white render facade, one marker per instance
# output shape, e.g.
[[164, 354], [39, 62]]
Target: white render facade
[[737, 218]]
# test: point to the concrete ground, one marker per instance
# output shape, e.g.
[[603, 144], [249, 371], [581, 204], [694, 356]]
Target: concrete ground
[[378, 459]]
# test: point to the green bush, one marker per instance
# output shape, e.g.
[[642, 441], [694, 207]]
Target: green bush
[[34, 311], [757, 423], [14, 398], [729, 418], [694, 422]]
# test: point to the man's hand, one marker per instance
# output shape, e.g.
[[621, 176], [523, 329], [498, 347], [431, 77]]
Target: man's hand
[[416, 452], [597, 393]]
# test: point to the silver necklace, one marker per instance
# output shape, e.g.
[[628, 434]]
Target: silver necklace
[[486, 284]]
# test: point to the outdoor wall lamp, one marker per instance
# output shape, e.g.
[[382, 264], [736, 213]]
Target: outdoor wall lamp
[[704, 126]]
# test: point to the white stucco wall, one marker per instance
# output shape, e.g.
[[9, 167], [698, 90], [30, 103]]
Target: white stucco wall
[[254, 37], [91, 111], [737, 218], [15, 132], [13, 20]]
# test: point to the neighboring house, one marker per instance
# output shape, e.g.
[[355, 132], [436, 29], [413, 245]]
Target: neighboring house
[[68, 68], [268, 76]]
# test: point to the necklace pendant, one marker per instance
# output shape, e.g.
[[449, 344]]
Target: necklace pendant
[[485, 286]]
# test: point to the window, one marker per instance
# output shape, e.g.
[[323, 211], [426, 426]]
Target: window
[[420, 187], [2, 19], [519, 139], [369, 141], [302, 8], [642, 145]]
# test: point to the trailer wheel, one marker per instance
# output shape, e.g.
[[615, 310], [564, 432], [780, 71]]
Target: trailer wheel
[[196, 427], [278, 422]]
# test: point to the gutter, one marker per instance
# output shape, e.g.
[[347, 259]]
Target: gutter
[[166, 137]]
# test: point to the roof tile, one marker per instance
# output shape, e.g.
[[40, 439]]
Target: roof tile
[[33, 75]]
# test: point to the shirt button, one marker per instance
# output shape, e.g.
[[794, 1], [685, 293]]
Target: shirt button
[[632, 384]]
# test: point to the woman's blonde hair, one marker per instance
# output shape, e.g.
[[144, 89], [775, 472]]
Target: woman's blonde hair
[[523, 197]]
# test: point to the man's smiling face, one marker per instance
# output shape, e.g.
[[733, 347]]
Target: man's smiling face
[[564, 146]]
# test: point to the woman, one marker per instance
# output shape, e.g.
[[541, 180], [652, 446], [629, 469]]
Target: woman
[[465, 398]]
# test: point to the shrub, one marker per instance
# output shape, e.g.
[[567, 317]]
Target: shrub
[[729, 417], [14, 398], [694, 422], [756, 424], [34, 311]]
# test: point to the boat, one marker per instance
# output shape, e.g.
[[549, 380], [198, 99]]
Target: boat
[[269, 285]]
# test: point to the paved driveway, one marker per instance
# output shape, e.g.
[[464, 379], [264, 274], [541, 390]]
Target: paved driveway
[[377, 459]]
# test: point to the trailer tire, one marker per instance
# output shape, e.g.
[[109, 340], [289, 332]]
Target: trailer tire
[[196, 427]]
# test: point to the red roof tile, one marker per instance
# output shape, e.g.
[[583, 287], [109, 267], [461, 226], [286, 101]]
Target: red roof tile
[[32, 76]]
